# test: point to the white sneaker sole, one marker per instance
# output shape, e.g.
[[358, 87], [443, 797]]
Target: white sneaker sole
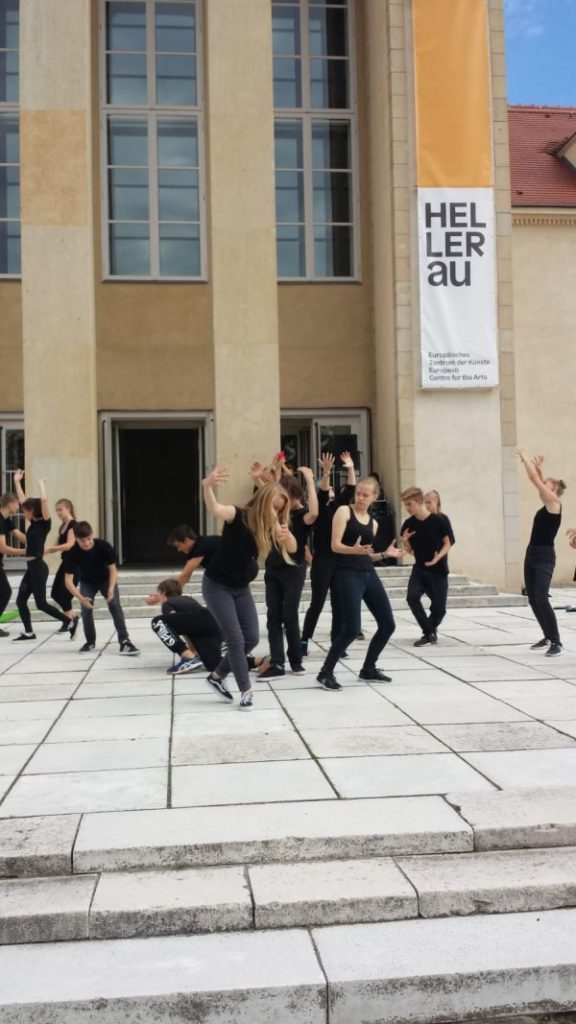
[[214, 689]]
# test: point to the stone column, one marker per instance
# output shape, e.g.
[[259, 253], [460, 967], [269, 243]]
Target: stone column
[[240, 138], [59, 338]]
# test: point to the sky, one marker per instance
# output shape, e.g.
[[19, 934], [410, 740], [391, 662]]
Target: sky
[[541, 51]]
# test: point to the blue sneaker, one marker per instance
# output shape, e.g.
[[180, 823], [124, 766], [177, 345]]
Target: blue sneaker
[[184, 666]]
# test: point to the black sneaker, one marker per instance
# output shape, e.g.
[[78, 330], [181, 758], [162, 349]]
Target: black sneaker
[[361, 636], [328, 681], [304, 648], [73, 628], [128, 648], [65, 627], [374, 675], [273, 672], [246, 703], [219, 687], [86, 648], [433, 637], [426, 638], [540, 645], [24, 636], [298, 670], [554, 651], [3, 633]]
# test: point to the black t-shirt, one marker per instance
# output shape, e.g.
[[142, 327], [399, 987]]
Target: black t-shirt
[[36, 537], [7, 525], [322, 529], [447, 527], [427, 539], [204, 548], [91, 566], [199, 619], [235, 562], [301, 530]]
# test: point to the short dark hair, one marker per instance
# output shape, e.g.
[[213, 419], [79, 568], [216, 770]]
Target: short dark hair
[[8, 499], [170, 588], [294, 488], [82, 530], [180, 533], [33, 505]]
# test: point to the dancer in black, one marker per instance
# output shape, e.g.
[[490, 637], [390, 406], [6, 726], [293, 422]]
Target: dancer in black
[[197, 550], [284, 581], [36, 512], [540, 558], [323, 558], [248, 533], [424, 536], [356, 581], [66, 540], [571, 534], [188, 629], [434, 505], [8, 508]]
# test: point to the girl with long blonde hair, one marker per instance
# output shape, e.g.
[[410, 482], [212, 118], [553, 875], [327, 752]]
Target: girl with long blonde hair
[[249, 533]]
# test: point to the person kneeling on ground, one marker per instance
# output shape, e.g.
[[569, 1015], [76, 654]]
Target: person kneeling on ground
[[188, 629], [93, 562]]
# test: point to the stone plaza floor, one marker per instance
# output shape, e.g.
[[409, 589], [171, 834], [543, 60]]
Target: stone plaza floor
[[97, 732]]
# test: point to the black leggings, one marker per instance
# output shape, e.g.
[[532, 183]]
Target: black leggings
[[207, 640], [283, 592], [435, 586], [5, 591], [59, 593], [321, 584], [34, 584], [353, 586], [539, 566]]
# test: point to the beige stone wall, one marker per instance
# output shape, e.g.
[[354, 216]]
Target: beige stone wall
[[11, 383], [544, 247]]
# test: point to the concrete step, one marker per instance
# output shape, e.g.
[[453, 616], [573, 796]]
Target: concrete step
[[297, 895], [401, 971], [134, 598]]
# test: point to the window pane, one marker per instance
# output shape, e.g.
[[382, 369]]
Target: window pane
[[9, 24], [288, 144], [177, 143], [287, 85], [178, 195], [332, 198], [331, 145], [129, 194], [176, 81], [10, 192], [333, 251], [286, 30], [289, 196], [328, 32], [128, 142], [130, 250], [9, 77], [9, 139], [179, 250], [126, 26], [127, 79], [329, 83], [290, 251], [175, 28], [10, 247]]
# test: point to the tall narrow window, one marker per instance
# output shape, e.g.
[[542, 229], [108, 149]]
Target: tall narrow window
[[9, 141], [152, 143], [314, 139]]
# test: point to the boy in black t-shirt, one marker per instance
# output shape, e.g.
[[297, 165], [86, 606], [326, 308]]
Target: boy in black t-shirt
[[186, 627], [197, 550], [93, 562], [424, 536]]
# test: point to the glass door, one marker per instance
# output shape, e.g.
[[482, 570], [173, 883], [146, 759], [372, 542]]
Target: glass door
[[337, 433], [11, 459]]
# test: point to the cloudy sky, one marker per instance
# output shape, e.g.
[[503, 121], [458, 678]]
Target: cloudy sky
[[541, 51]]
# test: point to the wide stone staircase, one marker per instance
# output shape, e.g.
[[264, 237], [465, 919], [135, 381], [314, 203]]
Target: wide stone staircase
[[320, 912]]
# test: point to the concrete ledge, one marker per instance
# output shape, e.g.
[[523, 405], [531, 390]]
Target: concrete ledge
[[45, 909], [37, 846], [519, 818]]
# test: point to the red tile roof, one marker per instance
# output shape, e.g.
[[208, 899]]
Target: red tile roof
[[540, 177]]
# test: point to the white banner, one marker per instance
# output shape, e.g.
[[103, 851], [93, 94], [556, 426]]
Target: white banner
[[458, 310]]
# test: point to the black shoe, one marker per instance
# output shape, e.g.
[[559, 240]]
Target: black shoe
[[246, 702], [298, 670], [360, 636], [374, 675], [554, 651], [570, 608], [273, 672], [86, 648], [219, 686], [540, 645], [426, 638], [328, 681], [65, 627], [304, 648], [433, 637], [24, 636], [3, 633], [73, 627], [128, 648], [344, 655]]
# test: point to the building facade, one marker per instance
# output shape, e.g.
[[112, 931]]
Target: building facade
[[209, 250]]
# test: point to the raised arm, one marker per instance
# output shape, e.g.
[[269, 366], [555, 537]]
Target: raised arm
[[44, 499], [326, 461], [215, 508], [339, 523], [18, 478], [311, 496], [547, 496], [348, 465]]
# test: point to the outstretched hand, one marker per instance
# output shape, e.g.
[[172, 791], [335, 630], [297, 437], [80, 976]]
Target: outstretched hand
[[393, 551], [347, 460], [219, 475], [327, 461], [306, 472], [18, 476]]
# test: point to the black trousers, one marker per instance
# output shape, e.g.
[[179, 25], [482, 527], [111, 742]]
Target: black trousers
[[5, 591], [354, 586], [435, 586], [33, 584], [59, 593], [283, 593], [539, 564], [321, 584], [206, 637]]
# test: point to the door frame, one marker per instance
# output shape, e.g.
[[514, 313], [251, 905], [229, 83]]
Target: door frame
[[10, 421], [109, 463], [336, 416]]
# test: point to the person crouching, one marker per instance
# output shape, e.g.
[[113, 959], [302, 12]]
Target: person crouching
[[187, 629]]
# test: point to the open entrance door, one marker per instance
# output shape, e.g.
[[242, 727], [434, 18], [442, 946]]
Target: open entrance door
[[308, 433]]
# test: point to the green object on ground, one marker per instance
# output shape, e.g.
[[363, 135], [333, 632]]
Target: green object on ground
[[9, 616]]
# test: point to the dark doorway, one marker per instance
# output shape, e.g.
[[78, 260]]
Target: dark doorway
[[159, 481]]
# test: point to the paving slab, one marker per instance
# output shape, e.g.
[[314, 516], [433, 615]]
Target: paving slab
[[5, 783], [546, 708], [15, 711], [269, 832], [229, 720], [403, 775], [449, 969], [13, 759], [248, 783], [460, 709], [491, 667], [497, 736], [330, 892], [37, 846], [519, 769], [210, 703], [367, 741], [515, 819], [141, 688], [170, 902], [243, 978], [45, 909], [136, 727], [86, 791], [493, 883], [235, 748], [565, 727], [98, 754], [40, 691], [345, 716], [17, 732], [112, 706]]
